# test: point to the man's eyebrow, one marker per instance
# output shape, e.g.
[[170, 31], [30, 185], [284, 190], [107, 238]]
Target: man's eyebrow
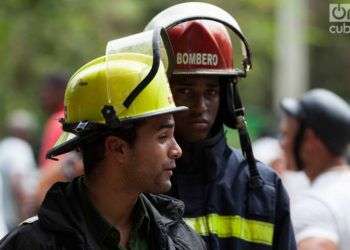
[[167, 125], [183, 84], [213, 85]]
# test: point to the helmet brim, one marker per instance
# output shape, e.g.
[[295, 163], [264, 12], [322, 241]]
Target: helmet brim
[[291, 107], [69, 141], [228, 72]]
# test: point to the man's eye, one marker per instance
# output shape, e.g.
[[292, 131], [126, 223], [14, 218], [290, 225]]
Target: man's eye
[[212, 92], [184, 91], [163, 137]]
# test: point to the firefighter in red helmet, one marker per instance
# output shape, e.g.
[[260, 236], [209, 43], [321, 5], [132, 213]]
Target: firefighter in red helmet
[[231, 200]]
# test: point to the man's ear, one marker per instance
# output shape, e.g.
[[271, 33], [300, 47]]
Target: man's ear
[[117, 148]]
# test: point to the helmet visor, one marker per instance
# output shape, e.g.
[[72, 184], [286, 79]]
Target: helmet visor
[[149, 83]]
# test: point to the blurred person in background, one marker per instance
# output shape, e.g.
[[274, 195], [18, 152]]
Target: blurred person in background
[[231, 200], [66, 169], [269, 151], [18, 167], [315, 136], [51, 96], [70, 166]]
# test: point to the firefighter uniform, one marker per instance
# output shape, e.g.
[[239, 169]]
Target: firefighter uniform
[[221, 207], [232, 201]]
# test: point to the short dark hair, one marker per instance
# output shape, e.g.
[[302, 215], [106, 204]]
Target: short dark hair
[[94, 151]]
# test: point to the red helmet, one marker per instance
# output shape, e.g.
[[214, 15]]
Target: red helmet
[[201, 44], [201, 47]]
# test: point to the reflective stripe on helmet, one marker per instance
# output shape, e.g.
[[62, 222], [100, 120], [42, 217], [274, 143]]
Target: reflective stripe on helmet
[[225, 226]]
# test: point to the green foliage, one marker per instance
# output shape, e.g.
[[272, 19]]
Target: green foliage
[[42, 36]]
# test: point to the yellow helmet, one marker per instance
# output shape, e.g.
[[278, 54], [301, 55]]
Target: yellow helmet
[[106, 93], [102, 82]]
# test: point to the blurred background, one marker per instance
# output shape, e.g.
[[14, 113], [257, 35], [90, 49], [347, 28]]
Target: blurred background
[[42, 42], [293, 49]]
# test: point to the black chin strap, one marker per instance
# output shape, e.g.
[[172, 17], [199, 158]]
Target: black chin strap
[[255, 180], [87, 132]]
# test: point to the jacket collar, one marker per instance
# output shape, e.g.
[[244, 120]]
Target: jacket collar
[[165, 210], [61, 213], [204, 159]]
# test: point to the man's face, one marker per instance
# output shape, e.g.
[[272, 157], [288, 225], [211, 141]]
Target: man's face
[[153, 155], [289, 128], [201, 95]]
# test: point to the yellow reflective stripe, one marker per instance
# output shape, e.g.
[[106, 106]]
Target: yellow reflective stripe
[[233, 226]]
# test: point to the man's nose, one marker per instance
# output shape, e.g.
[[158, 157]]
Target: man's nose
[[199, 104], [175, 151]]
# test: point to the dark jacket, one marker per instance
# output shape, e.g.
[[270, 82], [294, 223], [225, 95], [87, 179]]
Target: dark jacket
[[212, 180], [61, 224]]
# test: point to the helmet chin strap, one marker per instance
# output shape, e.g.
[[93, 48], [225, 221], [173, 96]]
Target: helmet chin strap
[[80, 129], [255, 180]]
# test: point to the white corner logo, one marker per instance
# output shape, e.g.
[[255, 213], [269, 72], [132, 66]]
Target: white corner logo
[[339, 12], [339, 17]]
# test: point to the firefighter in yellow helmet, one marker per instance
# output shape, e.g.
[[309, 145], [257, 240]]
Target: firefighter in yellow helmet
[[118, 114], [231, 200]]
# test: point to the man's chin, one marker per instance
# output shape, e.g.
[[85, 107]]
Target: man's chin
[[161, 188], [165, 187]]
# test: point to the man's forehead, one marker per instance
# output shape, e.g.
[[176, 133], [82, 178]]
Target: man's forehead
[[161, 121], [195, 80]]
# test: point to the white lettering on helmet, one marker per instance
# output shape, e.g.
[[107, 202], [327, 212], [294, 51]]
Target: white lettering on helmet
[[192, 59], [204, 59], [210, 57], [215, 59], [185, 58], [197, 59], [178, 58]]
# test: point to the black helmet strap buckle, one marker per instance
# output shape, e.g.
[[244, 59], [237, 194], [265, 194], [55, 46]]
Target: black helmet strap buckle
[[110, 116], [81, 127]]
